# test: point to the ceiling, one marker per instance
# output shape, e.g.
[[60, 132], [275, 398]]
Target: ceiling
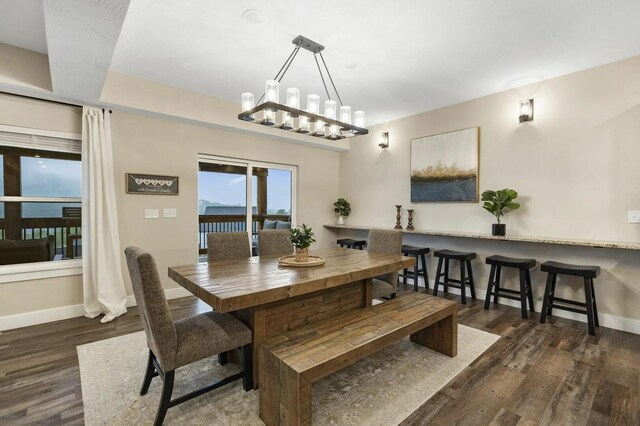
[[391, 59]]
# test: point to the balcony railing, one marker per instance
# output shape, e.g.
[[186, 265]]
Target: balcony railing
[[66, 230], [230, 223]]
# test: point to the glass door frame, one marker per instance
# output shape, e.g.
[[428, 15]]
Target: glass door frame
[[250, 165]]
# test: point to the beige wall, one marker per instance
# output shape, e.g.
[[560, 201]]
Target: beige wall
[[575, 166], [151, 145]]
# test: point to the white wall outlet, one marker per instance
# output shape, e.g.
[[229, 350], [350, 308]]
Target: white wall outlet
[[634, 216], [170, 213], [151, 213]]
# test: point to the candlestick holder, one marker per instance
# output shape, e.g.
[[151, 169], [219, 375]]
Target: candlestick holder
[[410, 220], [398, 217]]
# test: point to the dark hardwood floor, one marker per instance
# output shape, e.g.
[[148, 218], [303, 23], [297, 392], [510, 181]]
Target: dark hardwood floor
[[552, 373]]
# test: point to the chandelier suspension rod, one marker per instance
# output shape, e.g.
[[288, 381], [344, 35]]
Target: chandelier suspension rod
[[321, 76], [284, 67], [330, 79]]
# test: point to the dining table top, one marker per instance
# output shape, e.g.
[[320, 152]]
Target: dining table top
[[232, 285]]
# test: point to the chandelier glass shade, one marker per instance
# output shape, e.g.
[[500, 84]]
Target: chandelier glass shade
[[334, 123]]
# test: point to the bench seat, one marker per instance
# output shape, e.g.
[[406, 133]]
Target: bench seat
[[290, 363]]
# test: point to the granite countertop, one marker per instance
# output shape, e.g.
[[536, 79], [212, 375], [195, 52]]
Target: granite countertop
[[626, 245]]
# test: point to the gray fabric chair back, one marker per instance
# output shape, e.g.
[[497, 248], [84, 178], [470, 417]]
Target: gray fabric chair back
[[228, 246], [274, 242], [386, 242], [152, 305]]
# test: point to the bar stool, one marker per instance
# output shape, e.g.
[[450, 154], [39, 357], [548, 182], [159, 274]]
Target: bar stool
[[444, 256], [588, 273], [418, 253], [493, 288], [352, 244]]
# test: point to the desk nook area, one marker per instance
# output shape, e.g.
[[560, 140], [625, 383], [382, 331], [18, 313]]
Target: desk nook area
[[342, 213]]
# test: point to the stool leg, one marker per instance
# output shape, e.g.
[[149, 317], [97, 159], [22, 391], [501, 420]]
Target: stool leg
[[589, 303], [527, 275], [523, 294], [415, 274], [492, 275], [446, 276], [552, 293], [404, 276], [463, 289], [472, 283], [496, 289], [595, 306], [545, 300], [438, 274], [425, 273]]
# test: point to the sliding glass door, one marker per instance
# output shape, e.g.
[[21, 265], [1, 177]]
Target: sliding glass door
[[225, 189]]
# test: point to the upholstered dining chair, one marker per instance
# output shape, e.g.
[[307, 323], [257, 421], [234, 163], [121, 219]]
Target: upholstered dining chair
[[274, 242], [176, 344], [228, 246], [387, 242]]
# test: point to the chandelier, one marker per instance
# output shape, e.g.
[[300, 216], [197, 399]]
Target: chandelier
[[295, 119]]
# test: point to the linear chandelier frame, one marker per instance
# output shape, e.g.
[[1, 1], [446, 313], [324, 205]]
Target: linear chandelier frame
[[346, 129]]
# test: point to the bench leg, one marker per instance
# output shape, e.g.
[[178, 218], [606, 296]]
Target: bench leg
[[441, 336], [295, 399]]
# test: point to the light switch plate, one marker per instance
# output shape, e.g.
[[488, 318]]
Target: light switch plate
[[634, 216], [151, 213], [170, 212]]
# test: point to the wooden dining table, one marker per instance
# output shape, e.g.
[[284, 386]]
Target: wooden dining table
[[272, 300]]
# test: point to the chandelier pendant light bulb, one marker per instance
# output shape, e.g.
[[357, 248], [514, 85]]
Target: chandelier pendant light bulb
[[269, 117], [248, 102], [330, 109], [303, 123], [319, 128], [334, 132], [313, 104], [272, 91], [287, 121], [345, 114], [293, 97], [358, 119]]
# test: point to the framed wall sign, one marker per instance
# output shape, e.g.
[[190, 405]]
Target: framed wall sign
[[151, 184], [444, 167]]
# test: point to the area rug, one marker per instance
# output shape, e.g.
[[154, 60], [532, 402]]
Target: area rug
[[382, 389]]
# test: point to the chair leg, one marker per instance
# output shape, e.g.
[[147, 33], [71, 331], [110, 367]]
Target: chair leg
[[472, 283], [223, 358], [589, 303], [545, 300], [148, 376], [463, 286], [165, 398], [247, 367], [552, 294], [487, 299], [496, 288], [595, 306], [527, 275], [415, 274], [404, 276], [523, 294], [445, 287], [425, 273], [438, 274]]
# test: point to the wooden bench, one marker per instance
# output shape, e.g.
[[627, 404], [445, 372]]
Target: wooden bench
[[290, 363]]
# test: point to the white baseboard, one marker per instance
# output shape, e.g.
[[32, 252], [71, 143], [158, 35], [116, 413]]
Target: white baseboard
[[606, 320], [26, 319]]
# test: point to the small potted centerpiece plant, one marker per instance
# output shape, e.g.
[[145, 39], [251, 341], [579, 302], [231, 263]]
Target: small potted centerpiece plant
[[495, 202], [343, 208], [302, 238]]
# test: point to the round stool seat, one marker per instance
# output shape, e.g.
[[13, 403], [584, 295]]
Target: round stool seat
[[569, 269], [414, 251], [510, 262], [457, 255]]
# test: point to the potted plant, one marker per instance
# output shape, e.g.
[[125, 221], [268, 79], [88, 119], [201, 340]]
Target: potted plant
[[343, 208], [302, 238], [495, 202]]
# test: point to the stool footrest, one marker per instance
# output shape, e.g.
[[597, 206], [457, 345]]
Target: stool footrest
[[569, 308], [409, 273], [570, 302], [506, 296], [507, 290]]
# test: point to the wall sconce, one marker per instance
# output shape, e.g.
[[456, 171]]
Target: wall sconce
[[384, 140], [526, 110]]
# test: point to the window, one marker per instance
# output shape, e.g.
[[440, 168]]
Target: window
[[224, 194], [41, 204]]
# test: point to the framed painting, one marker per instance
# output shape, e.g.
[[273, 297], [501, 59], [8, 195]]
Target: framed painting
[[444, 167], [151, 184]]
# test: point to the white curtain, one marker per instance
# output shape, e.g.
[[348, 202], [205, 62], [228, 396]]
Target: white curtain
[[104, 291]]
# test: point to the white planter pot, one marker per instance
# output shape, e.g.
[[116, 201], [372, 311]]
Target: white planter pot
[[340, 220]]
